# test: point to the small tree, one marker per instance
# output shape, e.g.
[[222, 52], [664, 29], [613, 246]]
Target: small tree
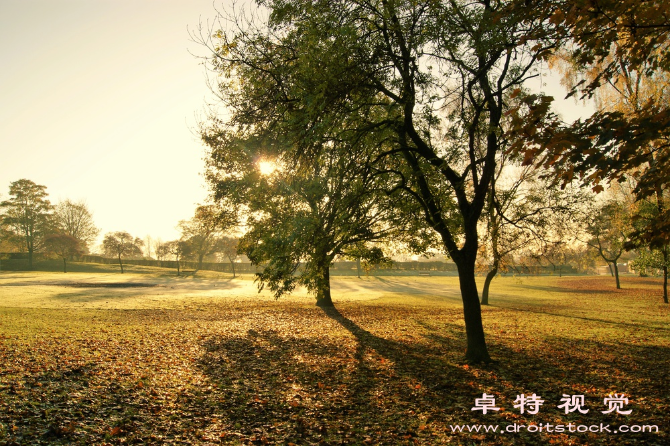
[[609, 227], [161, 249], [525, 213], [227, 246], [179, 249], [203, 230], [121, 244], [63, 246], [75, 219]]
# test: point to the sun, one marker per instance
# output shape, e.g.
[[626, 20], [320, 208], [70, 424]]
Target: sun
[[267, 167]]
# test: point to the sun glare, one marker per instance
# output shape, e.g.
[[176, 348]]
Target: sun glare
[[266, 167]]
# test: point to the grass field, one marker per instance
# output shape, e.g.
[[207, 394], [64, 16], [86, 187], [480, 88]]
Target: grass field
[[148, 358]]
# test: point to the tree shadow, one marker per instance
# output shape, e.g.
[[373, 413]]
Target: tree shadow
[[583, 318], [333, 388]]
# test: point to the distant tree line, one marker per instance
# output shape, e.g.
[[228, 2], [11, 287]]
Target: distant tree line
[[30, 223]]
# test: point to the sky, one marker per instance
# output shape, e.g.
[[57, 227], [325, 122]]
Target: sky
[[100, 99]]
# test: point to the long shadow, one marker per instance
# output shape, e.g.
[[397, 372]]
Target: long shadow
[[317, 384], [322, 389], [435, 372], [563, 289], [591, 319]]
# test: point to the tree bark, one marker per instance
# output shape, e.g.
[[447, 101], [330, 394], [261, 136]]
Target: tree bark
[[487, 283], [616, 275], [358, 266], [665, 282], [476, 350], [120, 264], [64, 265], [323, 298]]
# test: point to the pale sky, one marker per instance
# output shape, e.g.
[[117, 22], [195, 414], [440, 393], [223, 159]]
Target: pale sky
[[99, 100]]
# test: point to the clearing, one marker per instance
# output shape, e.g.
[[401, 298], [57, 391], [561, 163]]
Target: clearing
[[150, 358]]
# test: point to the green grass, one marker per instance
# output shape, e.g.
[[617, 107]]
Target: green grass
[[209, 360]]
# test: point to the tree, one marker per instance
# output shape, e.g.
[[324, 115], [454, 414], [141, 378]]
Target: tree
[[227, 246], [64, 246], [27, 213], [202, 230], [10, 241], [300, 218], [524, 211], [654, 255], [429, 77], [179, 249], [160, 249], [121, 244], [76, 220], [609, 226], [628, 89]]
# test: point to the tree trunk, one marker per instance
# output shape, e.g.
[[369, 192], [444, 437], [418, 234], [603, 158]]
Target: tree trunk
[[64, 265], [358, 266], [323, 298], [232, 265], [472, 311], [178, 271], [120, 264], [487, 283], [30, 258], [611, 270], [665, 283], [616, 275]]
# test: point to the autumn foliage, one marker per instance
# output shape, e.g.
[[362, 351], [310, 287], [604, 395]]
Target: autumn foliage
[[257, 371]]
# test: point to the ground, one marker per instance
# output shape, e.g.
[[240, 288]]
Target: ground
[[149, 358]]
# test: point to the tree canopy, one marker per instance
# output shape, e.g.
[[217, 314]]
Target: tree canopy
[[75, 219], [428, 78], [121, 244]]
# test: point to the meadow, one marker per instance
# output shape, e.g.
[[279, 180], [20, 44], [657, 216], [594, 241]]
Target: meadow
[[96, 357]]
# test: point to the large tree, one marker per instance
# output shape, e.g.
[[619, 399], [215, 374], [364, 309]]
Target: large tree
[[433, 76], [121, 244], [301, 217], [75, 219], [27, 213]]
